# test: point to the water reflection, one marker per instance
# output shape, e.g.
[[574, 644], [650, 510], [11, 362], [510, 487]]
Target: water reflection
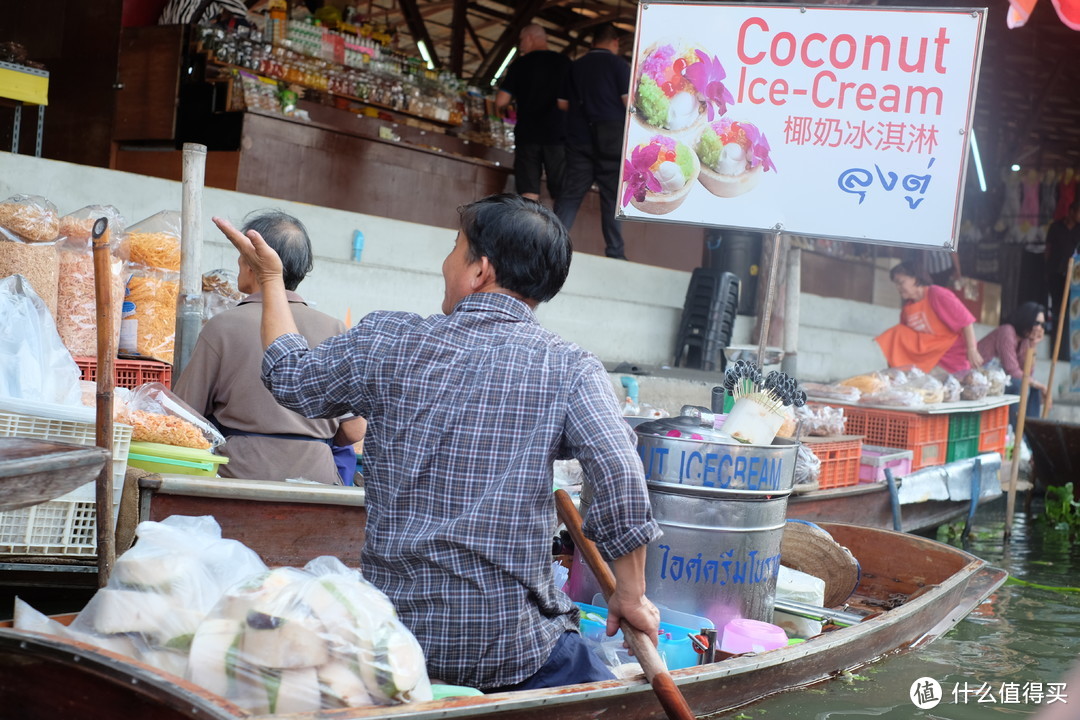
[[1017, 643]]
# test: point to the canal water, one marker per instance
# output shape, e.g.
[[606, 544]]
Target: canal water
[[1007, 659]]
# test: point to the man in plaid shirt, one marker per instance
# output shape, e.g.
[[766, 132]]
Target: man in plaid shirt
[[466, 412]]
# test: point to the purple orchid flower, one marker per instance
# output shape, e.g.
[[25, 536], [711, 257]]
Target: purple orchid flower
[[657, 62], [759, 147], [706, 76], [639, 175]]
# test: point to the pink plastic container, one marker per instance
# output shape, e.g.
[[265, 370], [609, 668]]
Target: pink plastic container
[[742, 636], [876, 459]]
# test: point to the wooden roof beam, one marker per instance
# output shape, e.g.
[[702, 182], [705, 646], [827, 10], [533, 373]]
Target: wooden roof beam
[[415, 22], [457, 37]]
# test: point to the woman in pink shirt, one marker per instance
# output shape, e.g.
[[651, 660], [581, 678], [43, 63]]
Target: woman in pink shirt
[[1009, 342]]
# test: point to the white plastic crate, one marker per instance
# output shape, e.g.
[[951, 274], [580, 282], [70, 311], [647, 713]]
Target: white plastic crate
[[66, 525]]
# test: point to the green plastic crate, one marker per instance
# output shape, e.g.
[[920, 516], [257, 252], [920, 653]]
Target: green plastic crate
[[964, 425], [963, 448]]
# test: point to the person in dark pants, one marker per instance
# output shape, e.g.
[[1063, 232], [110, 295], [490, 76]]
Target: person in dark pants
[[534, 82], [1062, 240], [595, 94]]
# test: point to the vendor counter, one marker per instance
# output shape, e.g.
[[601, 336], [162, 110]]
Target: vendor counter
[[389, 166]]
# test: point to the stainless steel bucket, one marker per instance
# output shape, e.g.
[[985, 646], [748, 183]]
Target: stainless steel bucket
[[722, 507]]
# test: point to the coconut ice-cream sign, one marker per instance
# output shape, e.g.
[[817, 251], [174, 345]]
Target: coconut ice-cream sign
[[849, 123]]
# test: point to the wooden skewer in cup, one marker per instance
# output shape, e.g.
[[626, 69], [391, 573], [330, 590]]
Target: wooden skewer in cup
[[106, 357], [667, 692]]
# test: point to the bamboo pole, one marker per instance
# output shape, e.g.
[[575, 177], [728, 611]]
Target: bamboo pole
[[1063, 309], [106, 377], [770, 297], [1025, 388], [189, 304]]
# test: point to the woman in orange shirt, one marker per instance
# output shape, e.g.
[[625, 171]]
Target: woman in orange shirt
[[935, 328]]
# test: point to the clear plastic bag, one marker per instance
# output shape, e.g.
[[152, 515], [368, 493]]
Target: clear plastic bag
[[928, 386], [820, 421], [152, 294], [294, 640], [219, 292], [157, 415], [844, 393], [76, 316], [34, 364], [159, 592], [894, 397], [896, 377], [807, 466], [867, 383], [154, 242], [30, 219], [950, 389], [973, 384], [997, 377]]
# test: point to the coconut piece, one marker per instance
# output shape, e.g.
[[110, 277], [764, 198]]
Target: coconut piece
[[298, 691], [131, 611], [728, 186], [285, 643], [170, 661], [213, 654], [342, 686]]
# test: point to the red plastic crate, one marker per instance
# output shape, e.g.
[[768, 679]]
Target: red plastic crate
[[129, 373], [927, 436], [840, 460], [993, 429]]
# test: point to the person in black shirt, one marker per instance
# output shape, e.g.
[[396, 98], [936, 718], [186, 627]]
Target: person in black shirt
[[595, 93], [534, 82], [1062, 239]]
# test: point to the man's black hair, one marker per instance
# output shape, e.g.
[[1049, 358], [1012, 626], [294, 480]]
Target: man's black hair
[[527, 246], [289, 238], [605, 33], [1023, 318]]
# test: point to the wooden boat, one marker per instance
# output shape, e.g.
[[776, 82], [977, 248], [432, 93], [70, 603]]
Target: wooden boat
[[1055, 452], [875, 505], [919, 587]]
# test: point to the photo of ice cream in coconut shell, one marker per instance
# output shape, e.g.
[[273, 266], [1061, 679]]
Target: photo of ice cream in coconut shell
[[734, 155], [678, 88], [659, 174]]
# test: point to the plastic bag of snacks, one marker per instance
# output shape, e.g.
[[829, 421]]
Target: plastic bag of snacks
[[807, 467], [928, 386], [844, 393], [29, 218], [76, 318], [296, 640], [151, 248], [154, 242], [157, 415], [894, 397], [973, 384], [867, 383], [219, 292], [997, 377], [150, 325], [159, 592], [29, 225], [950, 389], [821, 420]]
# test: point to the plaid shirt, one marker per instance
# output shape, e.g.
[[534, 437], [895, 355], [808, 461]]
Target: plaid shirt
[[466, 413]]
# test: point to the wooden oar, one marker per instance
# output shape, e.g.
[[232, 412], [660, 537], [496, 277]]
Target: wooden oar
[[106, 359], [667, 692]]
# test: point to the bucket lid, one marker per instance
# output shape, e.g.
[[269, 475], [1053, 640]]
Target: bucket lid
[[810, 549], [688, 427]]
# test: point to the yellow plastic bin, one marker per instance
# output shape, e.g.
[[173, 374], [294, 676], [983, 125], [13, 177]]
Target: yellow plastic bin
[[174, 460]]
